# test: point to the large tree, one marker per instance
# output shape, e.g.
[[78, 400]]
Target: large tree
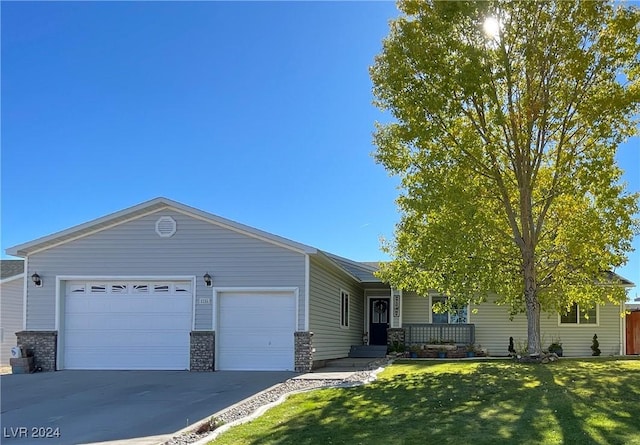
[[506, 119]]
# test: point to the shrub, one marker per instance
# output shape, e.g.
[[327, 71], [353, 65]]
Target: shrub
[[512, 349], [595, 345], [556, 347]]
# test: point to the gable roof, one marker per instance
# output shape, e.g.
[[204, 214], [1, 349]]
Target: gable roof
[[615, 278], [145, 208], [11, 268]]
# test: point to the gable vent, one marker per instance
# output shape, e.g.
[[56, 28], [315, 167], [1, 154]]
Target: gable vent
[[165, 226]]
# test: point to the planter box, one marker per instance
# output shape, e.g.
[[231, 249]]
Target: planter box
[[447, 347], [21, 365]]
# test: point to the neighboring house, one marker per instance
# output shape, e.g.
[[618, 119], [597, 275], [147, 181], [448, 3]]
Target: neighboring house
[[632, 327], [11, 305], [165, 286]]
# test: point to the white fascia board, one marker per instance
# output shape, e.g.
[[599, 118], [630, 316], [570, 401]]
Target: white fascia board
[[307, 290], [24, 295], [84, 229]]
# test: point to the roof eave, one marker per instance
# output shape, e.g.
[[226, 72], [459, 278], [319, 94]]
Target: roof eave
[[327, 258]]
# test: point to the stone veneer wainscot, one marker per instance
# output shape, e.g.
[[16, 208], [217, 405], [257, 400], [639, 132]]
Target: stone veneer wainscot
[[304, 351], [202, 351], [44, 345]]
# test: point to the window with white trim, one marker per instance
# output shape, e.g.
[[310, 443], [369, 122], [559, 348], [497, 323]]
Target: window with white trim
[[118, 288], [183, 287], [161, 288], [457, 315], [77, 288], [576, 315], [140, 288], [127, 288], [98, 288], [344, 309]]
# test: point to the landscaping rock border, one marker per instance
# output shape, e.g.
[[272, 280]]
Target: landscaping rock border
[[249, 409], [544, 358]]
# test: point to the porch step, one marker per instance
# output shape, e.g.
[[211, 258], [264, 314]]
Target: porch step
[[368, 351]]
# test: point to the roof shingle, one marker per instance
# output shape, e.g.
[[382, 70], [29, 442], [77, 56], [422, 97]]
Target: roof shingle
[[11, 268]]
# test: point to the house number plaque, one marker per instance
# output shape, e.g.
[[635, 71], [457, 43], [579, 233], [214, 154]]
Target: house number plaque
[[396, 305]]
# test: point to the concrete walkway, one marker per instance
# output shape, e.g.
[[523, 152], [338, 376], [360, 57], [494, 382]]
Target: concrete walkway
[[343, 368]]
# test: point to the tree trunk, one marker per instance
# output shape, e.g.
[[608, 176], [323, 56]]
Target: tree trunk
[[533, 322], [532, 305]]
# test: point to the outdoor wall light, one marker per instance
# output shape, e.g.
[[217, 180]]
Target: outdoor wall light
[[208, 280], [36, 280]]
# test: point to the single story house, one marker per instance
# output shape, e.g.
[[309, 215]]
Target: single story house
[[11, 308], [632, 327], [162, 285]]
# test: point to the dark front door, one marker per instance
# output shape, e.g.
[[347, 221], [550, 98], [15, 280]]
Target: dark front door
[[378, 321]]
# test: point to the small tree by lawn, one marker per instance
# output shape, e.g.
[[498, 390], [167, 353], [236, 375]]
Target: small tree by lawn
[[507, 117]]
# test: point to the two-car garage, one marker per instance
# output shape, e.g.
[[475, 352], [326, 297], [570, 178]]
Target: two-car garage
[[165, 286], [146, 324], [127, 324]]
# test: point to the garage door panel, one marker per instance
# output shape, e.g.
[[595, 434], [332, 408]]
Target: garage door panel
[[132, 358], [266, 319], [274, 338], [127, 331], [131, 321], [248, 301], [256, 331], [262, 361], [122, 304], [125, 338]]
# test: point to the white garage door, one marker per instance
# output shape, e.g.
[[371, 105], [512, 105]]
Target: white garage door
[[127, 325], [255, 331]]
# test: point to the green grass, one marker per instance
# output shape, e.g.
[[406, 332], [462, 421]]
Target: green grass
[[483, 402]]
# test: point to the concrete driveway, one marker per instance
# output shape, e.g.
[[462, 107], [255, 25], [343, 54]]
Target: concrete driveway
[[140, 407]]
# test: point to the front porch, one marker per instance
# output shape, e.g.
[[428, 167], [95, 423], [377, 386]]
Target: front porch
[[395, 318]]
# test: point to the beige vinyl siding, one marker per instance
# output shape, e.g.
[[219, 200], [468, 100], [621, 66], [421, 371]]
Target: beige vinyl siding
[[325, 283], [493, 329], [133, 248], [10, 316], [415, 308]]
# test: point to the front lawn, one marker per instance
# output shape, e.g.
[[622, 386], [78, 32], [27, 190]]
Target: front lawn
[[483, 402]]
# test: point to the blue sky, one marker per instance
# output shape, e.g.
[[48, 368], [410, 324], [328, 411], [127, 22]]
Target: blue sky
[[254, 111]]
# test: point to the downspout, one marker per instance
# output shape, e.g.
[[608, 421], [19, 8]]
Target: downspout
[[24, 293], [307, 291]]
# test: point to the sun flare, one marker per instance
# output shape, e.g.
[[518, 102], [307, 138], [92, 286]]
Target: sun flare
[[491, 27]]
